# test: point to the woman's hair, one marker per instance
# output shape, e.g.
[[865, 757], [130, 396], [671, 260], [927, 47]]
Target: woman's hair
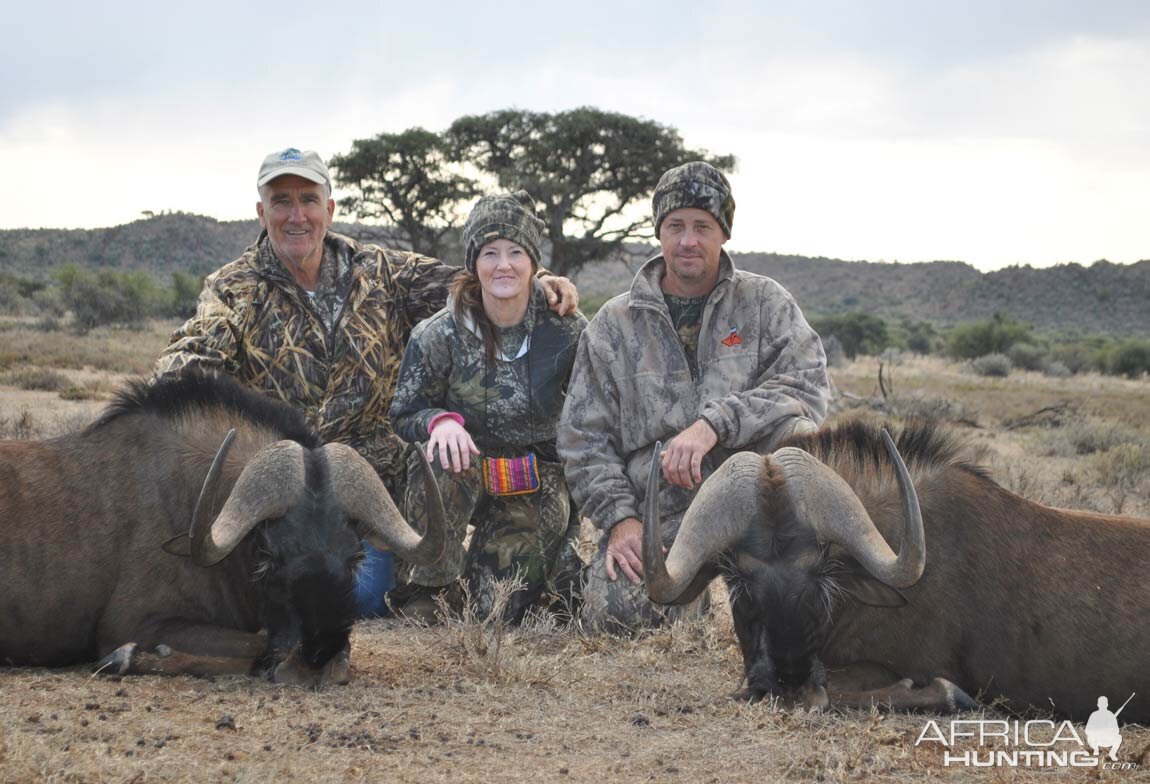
[[468, 298]]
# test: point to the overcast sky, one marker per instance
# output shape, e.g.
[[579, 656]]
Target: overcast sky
[[995, 132]]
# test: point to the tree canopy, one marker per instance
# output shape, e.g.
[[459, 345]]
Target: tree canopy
[[584, 167], [406, 179]]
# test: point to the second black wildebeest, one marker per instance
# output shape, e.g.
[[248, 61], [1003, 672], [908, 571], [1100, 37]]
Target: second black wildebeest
[[261, 523], [1003, 597]]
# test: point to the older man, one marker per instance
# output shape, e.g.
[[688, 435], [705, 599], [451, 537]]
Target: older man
[[317, 320], [706, 358]]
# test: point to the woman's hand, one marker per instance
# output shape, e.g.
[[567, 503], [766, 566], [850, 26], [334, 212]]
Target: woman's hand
[[454, 444]]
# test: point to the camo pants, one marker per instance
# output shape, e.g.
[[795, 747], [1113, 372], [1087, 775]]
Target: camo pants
[[618, 606], [516, 536]]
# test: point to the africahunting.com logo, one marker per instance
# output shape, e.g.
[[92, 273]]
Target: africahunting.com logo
[[1038, 743]]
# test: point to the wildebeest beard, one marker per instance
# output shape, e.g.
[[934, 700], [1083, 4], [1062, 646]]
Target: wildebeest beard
[[780, 613], [311, 604]]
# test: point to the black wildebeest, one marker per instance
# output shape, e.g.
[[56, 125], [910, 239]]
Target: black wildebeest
[[271, 519], [999, 595]]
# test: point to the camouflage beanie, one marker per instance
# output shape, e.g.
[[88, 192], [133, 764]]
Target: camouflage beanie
[[507, 216], [696, 184]]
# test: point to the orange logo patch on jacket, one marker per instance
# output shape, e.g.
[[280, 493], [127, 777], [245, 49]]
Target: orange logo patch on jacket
[[732, 339]]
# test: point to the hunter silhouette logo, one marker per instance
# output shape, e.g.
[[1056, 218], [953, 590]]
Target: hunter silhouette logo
[[732, 339], [1102, 728]]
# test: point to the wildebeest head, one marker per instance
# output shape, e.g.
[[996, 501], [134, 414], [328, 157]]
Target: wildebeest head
[[312, 508], [792, 539]]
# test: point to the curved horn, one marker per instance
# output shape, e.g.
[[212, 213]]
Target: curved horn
[[269, 485], [727, 504], [824, 500], [361, 494]]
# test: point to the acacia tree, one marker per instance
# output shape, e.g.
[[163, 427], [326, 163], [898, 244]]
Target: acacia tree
[[406, 179], [584, 167]]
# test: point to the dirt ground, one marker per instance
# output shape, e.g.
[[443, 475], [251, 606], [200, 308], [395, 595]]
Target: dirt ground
[[466, 701]]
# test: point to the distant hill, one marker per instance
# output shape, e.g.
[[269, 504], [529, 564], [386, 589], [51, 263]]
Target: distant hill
[[1104, 297]]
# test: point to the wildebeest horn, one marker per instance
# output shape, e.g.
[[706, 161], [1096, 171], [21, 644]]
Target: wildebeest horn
[[823, 499], [727, 504], [269, 485], [363, 497]]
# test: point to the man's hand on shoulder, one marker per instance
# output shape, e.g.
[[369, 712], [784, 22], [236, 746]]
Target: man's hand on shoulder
[[625, 550], [682, 458], [561, 294]]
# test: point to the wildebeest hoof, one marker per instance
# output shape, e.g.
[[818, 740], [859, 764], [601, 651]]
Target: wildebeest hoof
[[292, 671], [337, 670], [118, 662], [748, 695], [815, 698], [956, 699]]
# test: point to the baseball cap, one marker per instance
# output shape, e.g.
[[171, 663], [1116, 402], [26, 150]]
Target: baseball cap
[[305, 163]]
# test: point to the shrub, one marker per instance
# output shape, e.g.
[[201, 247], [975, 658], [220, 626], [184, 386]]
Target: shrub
[[1056, 369], [1088, 436], [994, 336], [1027, 356], [859, 333], [995, 365], [1123, 466], [1130, 358], [38, 379]]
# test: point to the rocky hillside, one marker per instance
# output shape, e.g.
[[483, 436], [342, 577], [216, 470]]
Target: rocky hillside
[[1102, 297]]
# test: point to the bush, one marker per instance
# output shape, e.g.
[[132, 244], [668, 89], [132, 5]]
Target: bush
[[111, 297], [1130, 358], [1123, 465], [1027, 356], [1056, 369], [920, 336], [859, 333], [1089, 436], [43, 380], [994, 336], [995, 365]]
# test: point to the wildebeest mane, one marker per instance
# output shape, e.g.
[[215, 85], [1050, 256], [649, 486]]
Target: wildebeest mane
[[194, 390], [924, 446]]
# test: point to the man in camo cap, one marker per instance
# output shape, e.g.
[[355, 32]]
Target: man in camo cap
[[704, 357]]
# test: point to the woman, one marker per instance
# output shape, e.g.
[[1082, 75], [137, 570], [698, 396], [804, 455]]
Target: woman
[[482, 383]]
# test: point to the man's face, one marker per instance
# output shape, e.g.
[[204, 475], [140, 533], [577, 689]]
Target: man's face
[[691, 240], [296, 213]]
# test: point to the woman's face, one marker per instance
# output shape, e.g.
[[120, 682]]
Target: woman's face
[[504, 269]]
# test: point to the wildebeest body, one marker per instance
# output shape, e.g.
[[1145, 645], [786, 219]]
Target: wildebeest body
[[83, 518], [1044, 607]]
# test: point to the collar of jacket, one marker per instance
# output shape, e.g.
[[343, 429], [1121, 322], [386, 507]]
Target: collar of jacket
[[646, 291]]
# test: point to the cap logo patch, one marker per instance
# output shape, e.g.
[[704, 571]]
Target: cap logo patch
[[291, 154]]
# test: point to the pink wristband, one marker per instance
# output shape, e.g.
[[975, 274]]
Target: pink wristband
[[435, 420]]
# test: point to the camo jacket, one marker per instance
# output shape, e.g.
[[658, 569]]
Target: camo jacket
[[336, 359], [507, 408], [761, 375]]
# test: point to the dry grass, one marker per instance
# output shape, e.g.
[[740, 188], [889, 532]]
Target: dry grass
[[472, 700], [122, 351]]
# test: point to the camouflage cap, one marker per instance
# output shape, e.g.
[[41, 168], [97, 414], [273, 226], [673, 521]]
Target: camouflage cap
[[305, 163], [505, 216], [696, 184]]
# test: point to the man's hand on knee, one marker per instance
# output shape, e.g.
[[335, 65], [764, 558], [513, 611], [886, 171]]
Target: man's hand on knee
[[682, 458], [625, 549]]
